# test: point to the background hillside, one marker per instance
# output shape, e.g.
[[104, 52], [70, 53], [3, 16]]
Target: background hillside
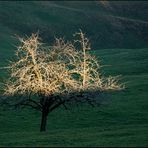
[[118, 32], [122, 24]]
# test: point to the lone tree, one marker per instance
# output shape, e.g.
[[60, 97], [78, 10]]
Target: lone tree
[[46, 77]]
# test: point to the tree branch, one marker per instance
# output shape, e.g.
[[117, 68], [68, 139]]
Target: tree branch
[[56, 105], [63, 103], [38, 104], [35, 107]]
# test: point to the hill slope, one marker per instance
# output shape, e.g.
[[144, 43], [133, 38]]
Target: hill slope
[[120, 30], [121, 121], [116, 25]]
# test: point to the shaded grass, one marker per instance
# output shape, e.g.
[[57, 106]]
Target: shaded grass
[[120, 121], [65, 18], [80, 137]]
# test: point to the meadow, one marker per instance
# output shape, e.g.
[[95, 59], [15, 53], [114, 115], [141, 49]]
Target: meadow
[[121, 121]]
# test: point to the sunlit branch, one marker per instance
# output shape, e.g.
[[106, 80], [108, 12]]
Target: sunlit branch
[[60, 69]]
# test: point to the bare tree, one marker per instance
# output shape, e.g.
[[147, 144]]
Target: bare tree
[[51, 76]]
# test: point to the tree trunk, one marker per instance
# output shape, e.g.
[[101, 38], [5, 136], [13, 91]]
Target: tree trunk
[[43, 122], [46, 102]]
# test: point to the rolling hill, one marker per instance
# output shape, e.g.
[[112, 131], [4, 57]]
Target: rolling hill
[[116, 25], [118, 34]]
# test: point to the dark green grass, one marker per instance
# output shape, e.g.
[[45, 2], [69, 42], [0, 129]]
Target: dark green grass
[[123, 118], [120, 121], [102, 25]]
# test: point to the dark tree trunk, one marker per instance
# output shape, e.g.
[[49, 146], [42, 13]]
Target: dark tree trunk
[[43, 121], [46, 103]]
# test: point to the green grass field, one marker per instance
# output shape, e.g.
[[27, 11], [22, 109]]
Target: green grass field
[[122, 121]]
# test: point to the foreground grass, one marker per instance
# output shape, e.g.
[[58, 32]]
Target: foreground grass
[[120, 121], [94, 136]]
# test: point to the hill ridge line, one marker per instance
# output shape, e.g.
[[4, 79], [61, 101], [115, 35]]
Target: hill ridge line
[[82, 11]]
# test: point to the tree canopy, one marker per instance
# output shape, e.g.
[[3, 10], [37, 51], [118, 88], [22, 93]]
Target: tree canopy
[[57, 74]]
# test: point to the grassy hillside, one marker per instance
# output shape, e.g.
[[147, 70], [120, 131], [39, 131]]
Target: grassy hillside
[[120, 44], [117, 25], [121, 121]]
